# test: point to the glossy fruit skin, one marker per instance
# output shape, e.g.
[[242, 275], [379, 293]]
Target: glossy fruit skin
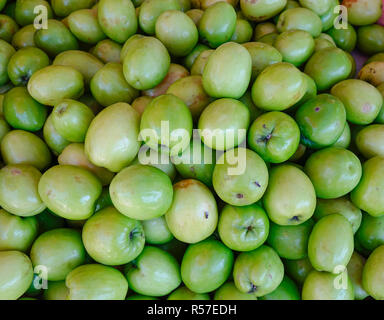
[[345, 39], [243, 228], [69, 191], [368, 141], [368, 195], [334, 172], [195, 15], [56, 39], [193, 206], [290, 242], [200, 62], [7, 52], [150, 10], [107, 51], [355, 272], [275, 136], [342, 206], [183, 293], [321, 121], [243, 31], [363, 12], [330, 244], [146, 64], [111, 238], [24, 37], [111, 140], [177, 32], [8, 27], [344, 140], [63, 8], [60, 251], [243, 183], [189, 59], [263, 29], [156, 231], [17, 233], [282, 77], [117, 18], [258, 272], [18, 190], [372, 275], [300, 19], [372, 73], [96, 282], [206, 266], [56, 291], [287, 290], [16, 274], [24, 11], [321, 286], [228, 291], [229, 118], [217, 24], [217, 81], [23, 112], [298, 269], [284, 204], [23, 147], [54, 140], [261, 10], [154, 273], [371, 232]]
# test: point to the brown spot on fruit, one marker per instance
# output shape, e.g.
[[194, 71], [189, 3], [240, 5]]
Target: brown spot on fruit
[[15, 172], [184, 184]]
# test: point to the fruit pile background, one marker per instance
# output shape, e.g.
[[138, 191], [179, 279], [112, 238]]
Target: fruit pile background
[[288, 205]]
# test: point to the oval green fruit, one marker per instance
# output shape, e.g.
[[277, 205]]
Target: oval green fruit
[[300, 19], [355, 272], [7, 52], [369, 141], [287, 290], [84, 25], [372, 275], [156, 231], [261, 10], [228, 291], [371, 232], [363, 12]]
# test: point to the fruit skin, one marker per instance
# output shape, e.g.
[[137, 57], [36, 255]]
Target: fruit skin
[[290, 242], [154, 273], [334, 172], [287, 290], [342, 206], [284, 204], [117, 18], [284, 78], [229, 118], [217, 24], [261, 10], [330, 244], [152, 190], [240, 177], [7, 51], [193, 206], [369, 194], [23, 112], [243, 32], [206, 266], [17, 233], [63, 8], [371, 232], [111, 141], [355, 272], [320, 7], [146, 64], [372, 73], [190, 58], [8, 27], [368, 141], [372, 274], [111, 238], [183, 293], [275, 136], [70, 192], [177, 32], [24, 11], [55, 39], [321, 121], [54, 140], [345, 39], [217, 81], [24, 37], [16, 274], [60, 251], [370, 39], [56, 291], [321, 286], [243, 228], [107, 51], [96, 282], [363, 12], [228, 291], [298, 269], [18, 190], [156, 231], [258, 272]]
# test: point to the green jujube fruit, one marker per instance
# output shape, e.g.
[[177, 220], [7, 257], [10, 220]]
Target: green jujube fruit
[[156, 231], [117, 18], [109, 86], [298, 269], [70, 192], [283, 78], [363, 12], [217, 24], [344, 140], [54, 140], [55, 39], [262, 29], [190, 58], [330, 244], [183, 293], [96, 282], [8, 27], [345, 39], [18, 190], [24, 11], [60, 251], [261, 10], [334, 172], [243, 31], [290, 198], [23, 112], [152, 190], [369, 141], [16, 274], [369, 193], [206, 266], [371, 232], [318, 6], [370, 39], [355, 272], [372, 274], [300, 19], [63, 8], [84, 25], [7, 51], [24, 37], [200, 62], [228, 291], [146, 63], [107, 51], [111, 141], [287, 290], [56, 290], [52, 84], [111, 238]]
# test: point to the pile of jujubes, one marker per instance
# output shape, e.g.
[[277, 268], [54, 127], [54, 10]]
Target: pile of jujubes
[[191, 149]]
